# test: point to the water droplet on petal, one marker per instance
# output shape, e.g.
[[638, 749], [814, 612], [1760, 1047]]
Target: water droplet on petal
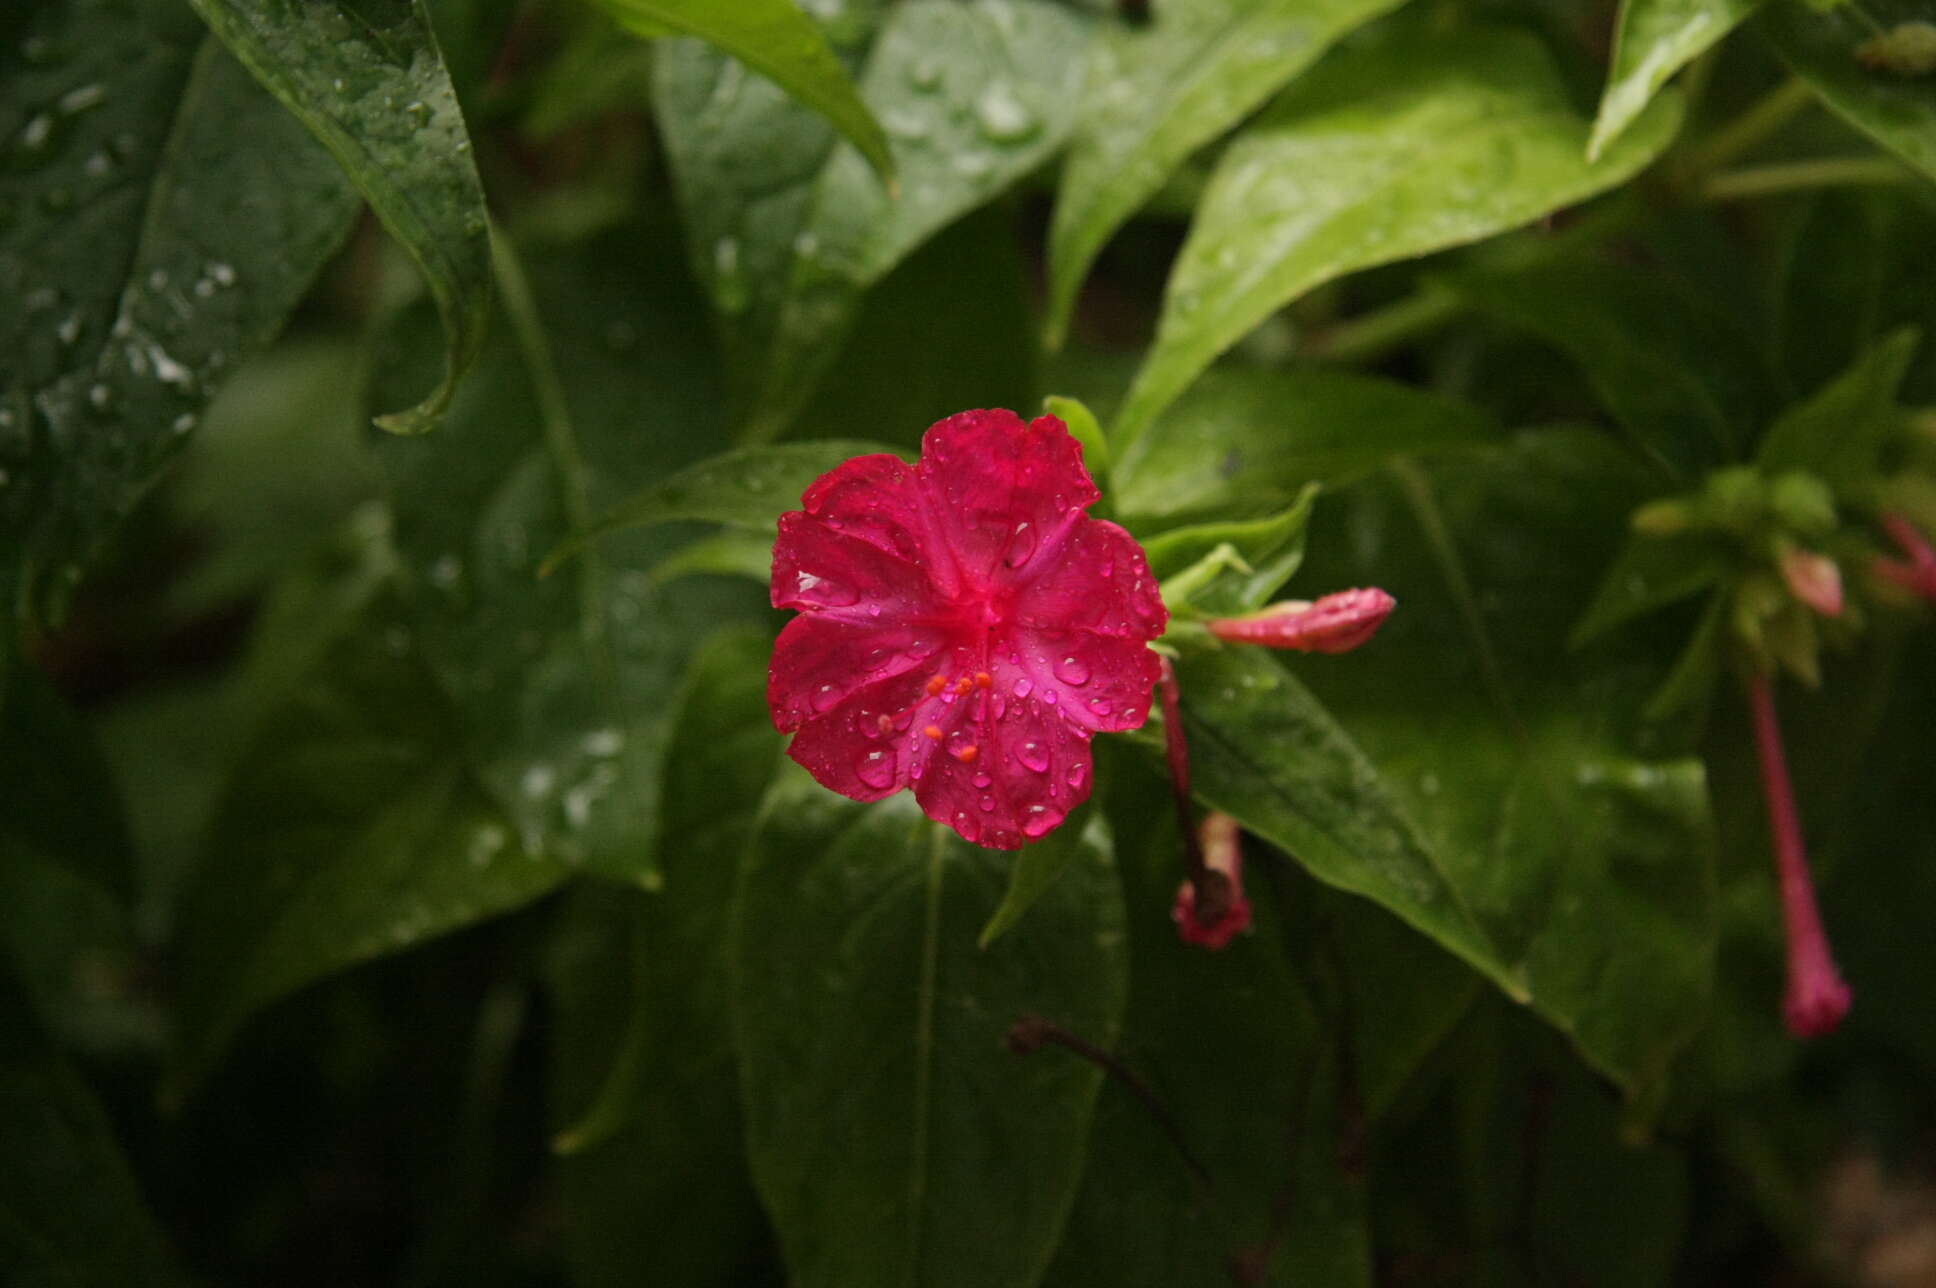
[[1072, 670], [825, 697], [1023, 687], [982, 780], [1021, 544], [876, 769], [1038, 821], [1077, 775], [1034, 755], [988, 804]]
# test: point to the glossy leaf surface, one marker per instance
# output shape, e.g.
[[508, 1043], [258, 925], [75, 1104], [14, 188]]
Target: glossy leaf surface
[[875, 1079], [1158, 94], [140, 146], [369, 82], [1382, 153], [1653, 40]]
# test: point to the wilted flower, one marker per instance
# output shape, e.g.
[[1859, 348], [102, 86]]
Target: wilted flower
[[964, 627]]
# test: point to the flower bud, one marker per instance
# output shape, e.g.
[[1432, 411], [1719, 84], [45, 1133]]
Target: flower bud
[[1336, 623]]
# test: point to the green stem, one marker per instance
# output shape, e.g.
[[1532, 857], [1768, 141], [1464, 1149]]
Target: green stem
[[1745, 132], [1374, 334], [1793, 176], [554, 415]]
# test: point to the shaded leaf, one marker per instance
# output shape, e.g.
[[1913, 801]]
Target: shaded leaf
[[644, 1090], [777, 40], [1156, 95], [1380, 153], [1037, 865], [787, 233], [1650, 573], [748, 487], [164, 216], [57, 794], [1241, 1062], [71, 1212], [350, 829], [370, 84], [566, 685], [870, 1030], [1839, 433], [1249, 440], [1652, 40], [1898, 112], [1677, 372]]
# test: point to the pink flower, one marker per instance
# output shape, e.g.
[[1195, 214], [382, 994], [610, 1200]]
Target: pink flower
[[1334, 623], [1816, 998], [964, 627], [1916, 573], [1224, 912]]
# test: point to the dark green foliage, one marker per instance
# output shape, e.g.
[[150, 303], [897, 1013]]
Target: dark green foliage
[[401, 878]]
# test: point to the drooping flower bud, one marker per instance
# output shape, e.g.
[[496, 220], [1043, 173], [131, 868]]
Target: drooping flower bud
[[1816, 998], [1812, 578], [1917, 571], [1213, 911], [1335, 623]]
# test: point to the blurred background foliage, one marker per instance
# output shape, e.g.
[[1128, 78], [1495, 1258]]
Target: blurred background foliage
[[378, 910]]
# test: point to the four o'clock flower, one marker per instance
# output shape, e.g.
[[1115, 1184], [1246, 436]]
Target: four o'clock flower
[[965, 628], [1916, 570], [1334, 623]]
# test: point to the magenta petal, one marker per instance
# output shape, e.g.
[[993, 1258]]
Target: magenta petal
[[1098, 580], [1002, 492], [820, 661], [818, 568], [1100, 683], [1027, 769], [872, 744]]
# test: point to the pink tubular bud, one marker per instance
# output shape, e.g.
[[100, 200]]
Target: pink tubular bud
[[1222, 912], [1813, 579], [1917, 572], [1816, 998], [1335, 623]]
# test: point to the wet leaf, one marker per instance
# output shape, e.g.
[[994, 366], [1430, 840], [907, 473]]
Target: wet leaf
[[870, 1033], [787, 231], [1247, 441], [370, 84], [1380, 153], [777, 40], [1839, 433], [163, 216], [1157, 94], [351, 828], [1652, 40]]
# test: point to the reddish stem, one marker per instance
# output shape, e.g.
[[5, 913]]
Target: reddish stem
[[1817, 998], [1213, 890]]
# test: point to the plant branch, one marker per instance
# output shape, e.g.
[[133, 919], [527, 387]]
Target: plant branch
[[1794, 176]]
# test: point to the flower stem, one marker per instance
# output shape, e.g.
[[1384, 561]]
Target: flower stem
[[1746, 131], [1372, 335], [1816, 999], [1213, 890], [1826, 172]]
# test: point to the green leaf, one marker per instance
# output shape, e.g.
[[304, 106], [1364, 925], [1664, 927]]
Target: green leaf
[[1899, 112], [1587, 864], [1380, 153], [1250, 440], [370, 84], [57, 794], [644, 1087], [777, 40], [870, 1034], [350, 829], [1839, 433], [1650, 573], [566, 685], [1679, 374], [787, 232], [748, 487], [163, 217], [1242, 1064], [71, 1211], [1271, 550], [1653, 40], [1086, 429], [1264, 750], [1158, 94], [1037, 865]]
